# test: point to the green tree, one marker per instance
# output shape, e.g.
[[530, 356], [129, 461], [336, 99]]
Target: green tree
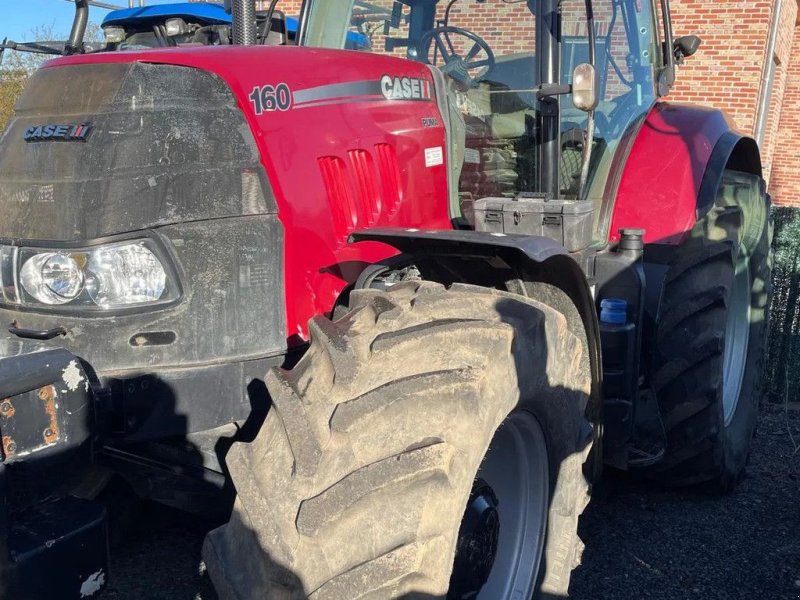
[[12, 83], [17, 67]]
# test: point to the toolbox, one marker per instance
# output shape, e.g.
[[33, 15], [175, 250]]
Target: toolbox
[[569, 222]]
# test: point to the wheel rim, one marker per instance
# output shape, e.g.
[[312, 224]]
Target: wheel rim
[[737, 335], [501, 539]]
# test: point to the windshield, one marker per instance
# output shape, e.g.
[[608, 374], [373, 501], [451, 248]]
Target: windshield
[[487, 50], [626, 55]]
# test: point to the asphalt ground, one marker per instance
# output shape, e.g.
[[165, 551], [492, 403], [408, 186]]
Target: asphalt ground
[[642, 542]]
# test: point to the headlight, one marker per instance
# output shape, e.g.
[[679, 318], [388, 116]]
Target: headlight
[[52, 278], [124, 275], [176, 26], [112, 276], [114, 35]]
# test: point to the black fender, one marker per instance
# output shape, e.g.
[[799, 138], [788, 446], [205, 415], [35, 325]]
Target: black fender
[[466, 256], [733, 151]]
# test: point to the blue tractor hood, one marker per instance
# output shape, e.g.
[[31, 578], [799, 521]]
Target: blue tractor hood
[[211, 14]]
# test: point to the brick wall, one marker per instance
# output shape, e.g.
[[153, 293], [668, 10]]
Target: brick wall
[[728, 73], [507, 27], [289, 7], [782, 60], [785, 182]]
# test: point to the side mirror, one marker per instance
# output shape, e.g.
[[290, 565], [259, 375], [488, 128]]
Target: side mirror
[[395, 20], [584, 87], [685, 46]]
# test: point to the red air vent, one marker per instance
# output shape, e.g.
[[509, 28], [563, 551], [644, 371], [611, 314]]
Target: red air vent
[[389, 172], [369, 199], [340, 195]]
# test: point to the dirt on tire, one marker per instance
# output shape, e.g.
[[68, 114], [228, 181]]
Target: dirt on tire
[[356, 485]]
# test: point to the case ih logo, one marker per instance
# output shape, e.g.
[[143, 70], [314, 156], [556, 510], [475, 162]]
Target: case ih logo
[[58, 133], [405, 88]]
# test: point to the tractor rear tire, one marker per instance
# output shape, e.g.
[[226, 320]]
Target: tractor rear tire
[[357, 483], [707, 360]]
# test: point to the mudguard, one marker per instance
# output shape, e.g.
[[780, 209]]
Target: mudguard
[[674, 169], [540, 258]]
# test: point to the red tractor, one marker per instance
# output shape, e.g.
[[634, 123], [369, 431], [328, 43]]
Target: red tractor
[[402, 302]]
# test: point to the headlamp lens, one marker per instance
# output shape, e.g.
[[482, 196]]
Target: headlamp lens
[[52, 278]]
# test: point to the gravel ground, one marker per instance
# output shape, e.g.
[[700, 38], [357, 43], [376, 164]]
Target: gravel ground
[[644, 542], [641, 542], [161, 561]]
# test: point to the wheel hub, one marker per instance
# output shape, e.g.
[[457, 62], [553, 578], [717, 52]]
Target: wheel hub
[[511, 487], [477, 543]]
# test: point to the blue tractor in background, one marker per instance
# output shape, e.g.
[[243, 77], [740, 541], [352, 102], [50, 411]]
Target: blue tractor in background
[[186, 23], [189, 23]]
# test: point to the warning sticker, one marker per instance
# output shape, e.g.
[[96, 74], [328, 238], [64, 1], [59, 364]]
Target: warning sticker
[[434, 156]]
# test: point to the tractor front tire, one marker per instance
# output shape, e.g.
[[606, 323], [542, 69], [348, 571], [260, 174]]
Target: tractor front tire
[[708, 347], [418, 407]]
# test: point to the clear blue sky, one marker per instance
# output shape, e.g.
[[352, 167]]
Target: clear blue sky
[[19, 17]]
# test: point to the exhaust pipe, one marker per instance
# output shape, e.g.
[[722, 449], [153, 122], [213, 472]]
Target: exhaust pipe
[[244, 22], [75, 43]]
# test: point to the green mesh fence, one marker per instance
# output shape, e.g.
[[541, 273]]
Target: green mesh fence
[[783, 347]]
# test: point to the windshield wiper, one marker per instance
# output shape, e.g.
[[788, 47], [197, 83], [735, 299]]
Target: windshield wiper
[[35, 47]]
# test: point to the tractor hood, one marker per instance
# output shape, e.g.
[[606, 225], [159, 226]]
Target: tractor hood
[[107, 148]]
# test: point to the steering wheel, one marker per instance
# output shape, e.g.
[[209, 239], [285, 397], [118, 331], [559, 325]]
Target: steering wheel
[[470, 68]]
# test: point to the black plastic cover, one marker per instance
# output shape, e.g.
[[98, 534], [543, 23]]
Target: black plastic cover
[[232, 307]]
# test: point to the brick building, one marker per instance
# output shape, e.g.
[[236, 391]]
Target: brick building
[[748, 65]]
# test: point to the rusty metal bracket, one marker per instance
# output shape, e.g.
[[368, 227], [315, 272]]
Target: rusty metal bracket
[[46, 401]]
